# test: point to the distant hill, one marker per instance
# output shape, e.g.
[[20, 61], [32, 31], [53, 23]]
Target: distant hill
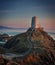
[[5, 27]]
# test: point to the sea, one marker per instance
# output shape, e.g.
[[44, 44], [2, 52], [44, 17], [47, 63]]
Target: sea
[[52, 35], [11, 32]]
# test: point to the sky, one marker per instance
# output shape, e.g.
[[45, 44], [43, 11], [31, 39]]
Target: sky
[[18, 13]]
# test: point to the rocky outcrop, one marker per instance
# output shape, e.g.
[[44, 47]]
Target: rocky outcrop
[[43, 49], [4, 37]]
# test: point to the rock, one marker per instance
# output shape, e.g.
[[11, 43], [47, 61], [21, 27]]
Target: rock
[[4, 37], [42, 52]]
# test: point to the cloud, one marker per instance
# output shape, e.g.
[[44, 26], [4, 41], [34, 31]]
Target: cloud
[[16, 23]]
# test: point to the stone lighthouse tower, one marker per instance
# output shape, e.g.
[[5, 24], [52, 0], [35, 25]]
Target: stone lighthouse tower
[[34, 23]]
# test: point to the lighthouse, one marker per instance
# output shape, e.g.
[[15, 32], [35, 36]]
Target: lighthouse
[[34, 23]]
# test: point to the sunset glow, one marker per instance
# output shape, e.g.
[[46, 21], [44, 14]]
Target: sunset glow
[[18, 13]]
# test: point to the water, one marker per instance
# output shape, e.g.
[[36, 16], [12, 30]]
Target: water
[[1, 42], [12, 32], [11, 55], [52, 35], [18, 32]]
